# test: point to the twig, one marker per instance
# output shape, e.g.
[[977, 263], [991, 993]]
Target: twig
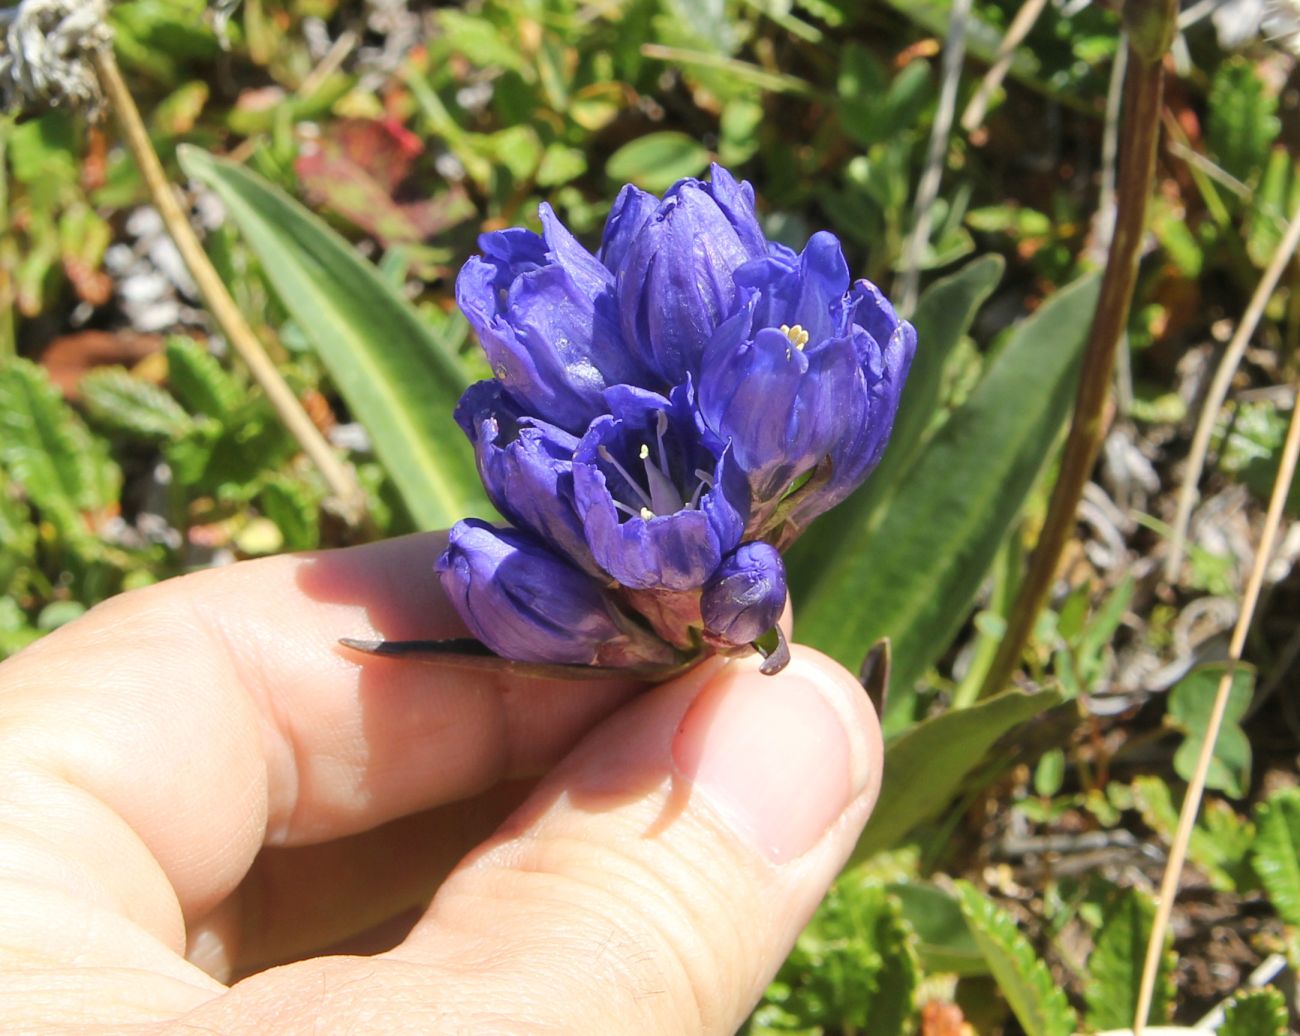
[[1024, 20], [338, 476], [1196, 786], [954, 52], [1150, 27], [1218, 392]]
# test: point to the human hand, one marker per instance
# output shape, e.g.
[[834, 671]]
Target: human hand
[[196, 784]]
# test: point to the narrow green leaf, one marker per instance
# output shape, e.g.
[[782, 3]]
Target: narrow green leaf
[[1035, 999], [396, 376], [925, 768], [912, 574], [1277, 852], [654, 162], [1262, 1012], [1115, 966], [943, 315], [48, 450], [130, 405]]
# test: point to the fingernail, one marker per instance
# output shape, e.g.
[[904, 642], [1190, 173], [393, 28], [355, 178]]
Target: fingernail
[[779, 758]]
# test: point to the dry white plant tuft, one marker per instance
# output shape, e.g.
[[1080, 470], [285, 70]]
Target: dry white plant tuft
[[45, 52]]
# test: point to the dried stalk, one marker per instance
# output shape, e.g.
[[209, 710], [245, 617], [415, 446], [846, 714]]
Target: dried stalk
[[349, 498], [1149, 26], [954, 52], [1196, 786], [973, 117], [1218, 393]]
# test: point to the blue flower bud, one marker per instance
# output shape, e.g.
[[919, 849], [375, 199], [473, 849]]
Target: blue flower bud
[[544, 311], [743, 599], [525, 603], [676, 283]]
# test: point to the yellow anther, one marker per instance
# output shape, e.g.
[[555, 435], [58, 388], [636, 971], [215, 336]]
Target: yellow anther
[[644, 453], [646, 513], [797, 335]]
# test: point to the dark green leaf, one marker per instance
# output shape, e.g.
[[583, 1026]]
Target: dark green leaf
[[200, 382], [911, 572], [927, 766]]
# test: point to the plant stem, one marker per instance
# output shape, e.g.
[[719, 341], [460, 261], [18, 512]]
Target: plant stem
[[1142, 98], [349, 498]]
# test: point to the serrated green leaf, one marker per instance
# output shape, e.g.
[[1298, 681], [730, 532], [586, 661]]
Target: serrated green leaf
[[399, 380], [1262, 1012], [123, 403], [199, 381], [1115, 965], [1219, 845], [944, 943], [943, 315], [911, 576], [1277, 852], [48, 450], [1190, 704], [1035, 999], [1241, 125], [925, 767], [854, 967]]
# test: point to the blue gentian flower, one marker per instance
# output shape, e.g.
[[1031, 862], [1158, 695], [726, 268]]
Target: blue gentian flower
[[664, 416]]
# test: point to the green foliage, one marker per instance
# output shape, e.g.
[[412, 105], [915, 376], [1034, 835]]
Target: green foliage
[[1024, 980], [854, 965], [49, 452], [397, 376], [132, 406], [656, 161], [1115, 965], [1221, 841], [1242, 125], [1190, 704], [925, 767], [1276, 856], [1261, 1012], [962, 493]]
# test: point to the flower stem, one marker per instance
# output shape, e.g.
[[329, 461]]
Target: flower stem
[[349, 498], [1143, 92]]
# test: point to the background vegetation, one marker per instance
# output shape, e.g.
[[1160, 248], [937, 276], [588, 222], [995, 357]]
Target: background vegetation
[[1006, 883]]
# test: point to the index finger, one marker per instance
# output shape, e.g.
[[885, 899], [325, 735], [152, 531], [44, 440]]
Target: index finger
[[206, 716]]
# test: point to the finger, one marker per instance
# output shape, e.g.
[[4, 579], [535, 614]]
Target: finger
[[653, 883], [155, 745], [294, 901]]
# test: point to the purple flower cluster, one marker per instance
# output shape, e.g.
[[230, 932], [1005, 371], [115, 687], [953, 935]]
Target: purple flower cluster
[[665, 416]]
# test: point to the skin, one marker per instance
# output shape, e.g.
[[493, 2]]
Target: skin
[[213, 819]]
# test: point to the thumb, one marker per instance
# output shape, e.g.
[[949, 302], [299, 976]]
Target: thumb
[[658, 878]]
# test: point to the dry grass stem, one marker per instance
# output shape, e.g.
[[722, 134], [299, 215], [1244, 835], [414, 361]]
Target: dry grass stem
[[1218, 393]]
